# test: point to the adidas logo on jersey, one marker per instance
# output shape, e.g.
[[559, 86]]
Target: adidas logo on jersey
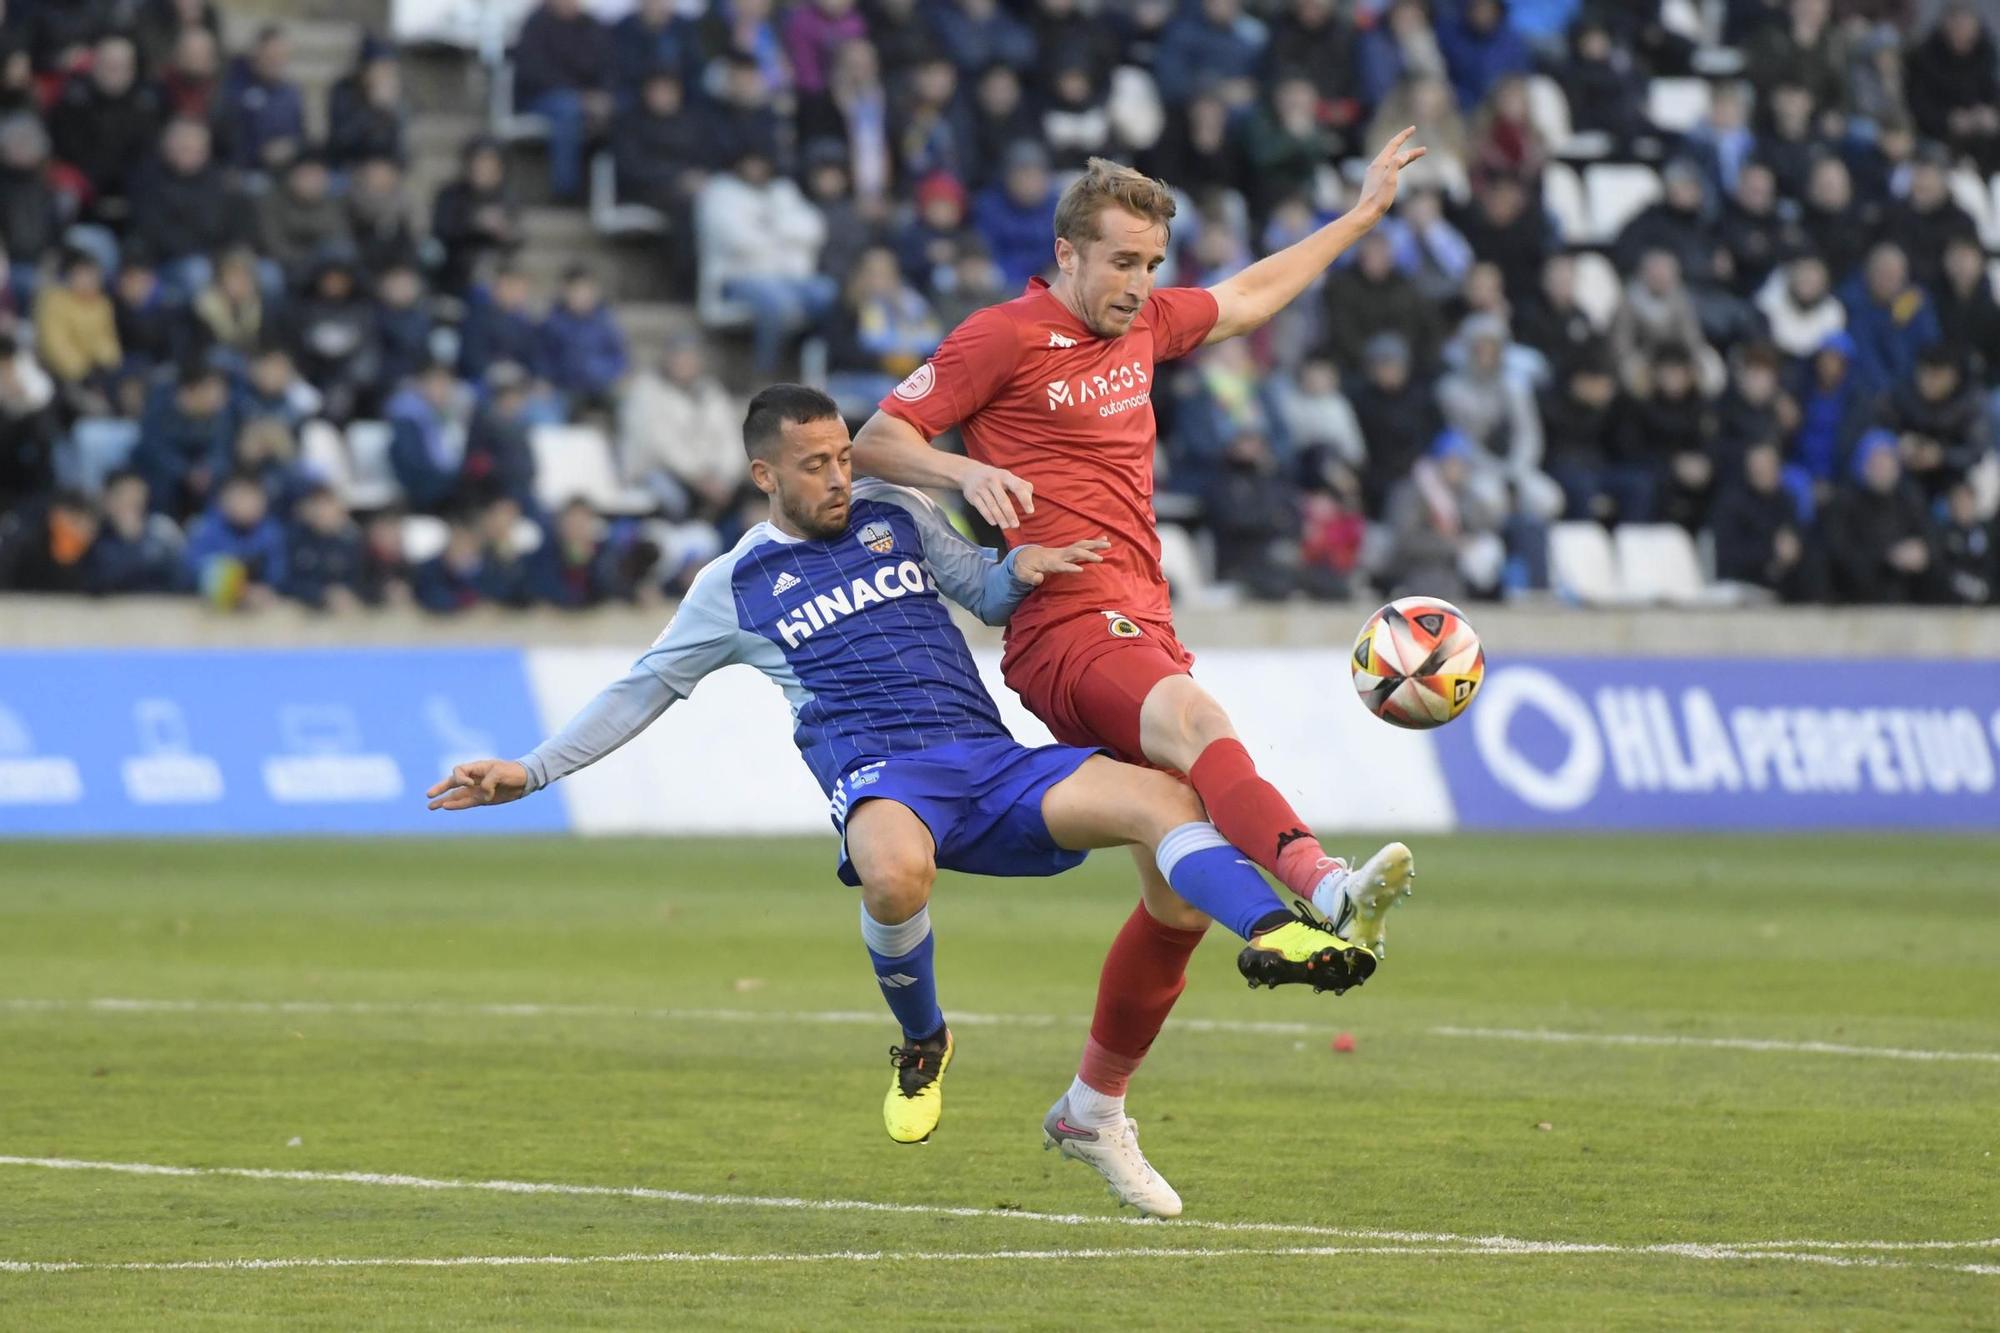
[[786, 582], [1057, 340], [888, 583], [896, 980]]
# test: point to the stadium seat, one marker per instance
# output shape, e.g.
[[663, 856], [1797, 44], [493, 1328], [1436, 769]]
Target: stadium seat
[[612, 218], [1181, 562], [1677, 105], [1616, 193], [324, 454], [573, 462], [1137, 115], [1548, 109], [527, 536], [1985, 479], [1972, 194], [372, 483], [96, 448], [1562, 199], [1598, 289], [1582, 565], [424, 537], [1657, 562]]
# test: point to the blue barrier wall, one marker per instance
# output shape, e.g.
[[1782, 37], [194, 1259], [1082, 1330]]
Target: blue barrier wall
[[256, 742], [1739, 743], [307, 741]]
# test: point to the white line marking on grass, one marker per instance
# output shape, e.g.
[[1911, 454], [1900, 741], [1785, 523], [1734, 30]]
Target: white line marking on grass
[[1712, 1043], [1487, 1244], [871, 1018], [1182, 1253]]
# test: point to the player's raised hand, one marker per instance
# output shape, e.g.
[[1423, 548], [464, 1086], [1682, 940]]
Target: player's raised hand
[[1378, 187], [480, 782], [1035, 563], [993, 491]]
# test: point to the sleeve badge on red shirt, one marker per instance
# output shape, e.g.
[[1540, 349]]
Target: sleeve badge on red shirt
[[1121, 626], [917, 383]]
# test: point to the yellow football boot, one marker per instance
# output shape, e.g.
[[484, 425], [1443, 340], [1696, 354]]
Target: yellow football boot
[[1305, 950], [916, 1096]]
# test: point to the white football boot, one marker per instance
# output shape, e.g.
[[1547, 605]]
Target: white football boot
[[1116, 1157], [1356, 902]]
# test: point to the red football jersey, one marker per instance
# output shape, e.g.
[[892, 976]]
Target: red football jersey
[[1034, 391]]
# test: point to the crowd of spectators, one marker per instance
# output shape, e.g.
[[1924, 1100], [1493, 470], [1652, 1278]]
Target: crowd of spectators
[[1801, 363]]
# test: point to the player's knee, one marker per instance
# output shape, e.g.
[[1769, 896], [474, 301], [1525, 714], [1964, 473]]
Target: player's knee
[[1168, 804], [896, 883]]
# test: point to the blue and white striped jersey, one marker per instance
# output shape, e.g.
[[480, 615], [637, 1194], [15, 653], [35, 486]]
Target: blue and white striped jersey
[[851, 629]]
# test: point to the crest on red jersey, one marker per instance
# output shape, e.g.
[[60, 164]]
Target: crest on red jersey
[[917, 383]]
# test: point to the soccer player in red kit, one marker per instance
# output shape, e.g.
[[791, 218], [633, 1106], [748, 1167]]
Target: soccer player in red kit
[[1052, 393]]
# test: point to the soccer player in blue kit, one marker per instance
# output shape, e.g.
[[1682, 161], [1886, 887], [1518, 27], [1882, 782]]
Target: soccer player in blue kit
[[835, 597]]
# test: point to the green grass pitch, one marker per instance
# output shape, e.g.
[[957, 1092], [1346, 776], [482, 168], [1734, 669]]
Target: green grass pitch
[[696, 1020]]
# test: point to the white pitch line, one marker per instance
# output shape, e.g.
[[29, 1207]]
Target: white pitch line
[[716, 1257], [1714, 1043], [1492, 1244], [1182, 1253], [471, 1009], [871, 1018]]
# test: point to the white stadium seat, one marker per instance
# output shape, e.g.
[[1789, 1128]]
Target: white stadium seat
[[1616, 193], [573, 462], [1548, 109], [1677, 105], [1582, 565], [1971, 193], [373, 483], [1562, 199], [424, 537], [324, 455], [1657, 562], [1598, 290]]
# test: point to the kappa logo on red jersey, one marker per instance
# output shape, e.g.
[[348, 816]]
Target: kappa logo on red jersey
[[1088, 388], [1057, 340], [917, 383]]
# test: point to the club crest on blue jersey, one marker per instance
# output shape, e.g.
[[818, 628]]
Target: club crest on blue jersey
[[878, 538]]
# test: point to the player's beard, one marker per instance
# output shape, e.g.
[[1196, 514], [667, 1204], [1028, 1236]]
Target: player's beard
[[823, 523]]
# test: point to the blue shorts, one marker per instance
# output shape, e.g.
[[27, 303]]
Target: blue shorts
[[981, 800]]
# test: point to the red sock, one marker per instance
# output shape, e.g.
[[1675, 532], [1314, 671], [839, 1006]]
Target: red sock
[[1143, 975], [1257, 821]]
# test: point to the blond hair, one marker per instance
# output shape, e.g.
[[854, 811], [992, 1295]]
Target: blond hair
[[1110, 184]]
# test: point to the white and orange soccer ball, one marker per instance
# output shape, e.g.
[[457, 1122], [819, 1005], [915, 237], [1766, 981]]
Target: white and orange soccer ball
[[1418, 663]]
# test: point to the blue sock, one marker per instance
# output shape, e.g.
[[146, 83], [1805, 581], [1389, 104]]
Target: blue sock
[[902, 958], [1217, 879]]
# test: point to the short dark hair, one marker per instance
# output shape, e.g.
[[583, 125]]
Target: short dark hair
[[779, 405]]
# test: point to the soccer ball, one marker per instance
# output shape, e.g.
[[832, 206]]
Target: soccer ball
[[1417, 663]]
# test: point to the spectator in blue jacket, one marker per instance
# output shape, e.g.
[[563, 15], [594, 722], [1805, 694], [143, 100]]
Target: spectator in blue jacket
[[266, 115], [978, 34], [1890, 318], [1480, 49], [1835, 408], [272, 387], [1216, 48], [427, 441], [582, 349], [562, 72], [650, 40], [577, 566], [477, 565], [402, 324], [1017, 216], [323, 553], [136, 550], [236, 551], [500, 324], [185, 437]]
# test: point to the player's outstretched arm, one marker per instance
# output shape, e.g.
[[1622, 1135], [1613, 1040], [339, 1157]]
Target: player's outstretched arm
[[1249, 299], [892, 449]]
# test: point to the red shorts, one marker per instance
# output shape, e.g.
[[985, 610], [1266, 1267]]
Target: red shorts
[[1086, 677]]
